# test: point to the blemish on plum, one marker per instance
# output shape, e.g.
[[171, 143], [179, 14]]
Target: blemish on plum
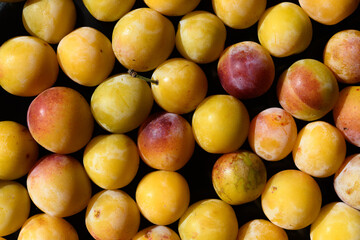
[[273, 189], [96, 213]]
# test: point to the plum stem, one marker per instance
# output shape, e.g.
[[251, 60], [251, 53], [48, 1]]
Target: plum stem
[[136, 75]]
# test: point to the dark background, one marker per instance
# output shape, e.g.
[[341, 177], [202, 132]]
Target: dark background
[[198, 170]]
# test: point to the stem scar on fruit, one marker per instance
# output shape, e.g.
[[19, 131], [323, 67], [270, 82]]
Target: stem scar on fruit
[[136, 75]]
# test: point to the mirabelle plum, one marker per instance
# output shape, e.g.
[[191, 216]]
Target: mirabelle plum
[[261, 229], [28, 66], [239, 14], [142, 39], [86, 56], [59, 185], [239, 177], [220, 124], [162, 196], [172, 7], [121, 103], [108, 10], [200, 36], [182, 85], [329, 12], [336, 221], [209, 219], [43, 227], [272, 134], [285, 29], [60, 120], [14, 205], [49, 20], [18, 152], [291, 199], [112, 214], [347, 182], [156, 233], [320, 149]]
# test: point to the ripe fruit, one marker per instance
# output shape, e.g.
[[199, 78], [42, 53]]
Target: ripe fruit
[[220, 124], [285, 29], [308, 90], [28, 66], [18, 151], [156, 233], [246, 70], [182, 85], [43, 226], [121, 103], [261, 229], [172, 7], [291, 199], [142, 39], [49, 20], [86, 56], [112, 214], [59, 186], [200, 37], [239, 177], [111, 161], [60, 120], [240, 14], [209, 219], [162, 196], [108, 10]]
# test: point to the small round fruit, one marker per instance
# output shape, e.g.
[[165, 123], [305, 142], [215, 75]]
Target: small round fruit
[[336, 221], [329, 12], [308, 90], [220, 124], [142, 39], [347, 181], [239, 177], [344, 63], [165, 141], [112, 214], [239, 14], [319, 150], [182, 85], [14, 205], [261, 229], [60, 120], [291, 199], [272, 134], [111, 161], [172, 7], [200, 37], [86, 56], [18, 151], [121, 103], [163, 196], [156, 233], [43, 227], [108, 10], [28, 66], [285, 29], [49, 20], [209, 219], [59, 186], [346, 114]]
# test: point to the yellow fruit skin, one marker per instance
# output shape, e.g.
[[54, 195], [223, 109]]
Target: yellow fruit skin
[[112, 214], [209, 219], [142, 39], [108, 10], [156, 232], [163, 196], [261, 229], [43, 226], [49, 20], [14, 205], [86, 56], [18, 152], [172, 7], [285, 29], [111, 161], [28, 66]]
